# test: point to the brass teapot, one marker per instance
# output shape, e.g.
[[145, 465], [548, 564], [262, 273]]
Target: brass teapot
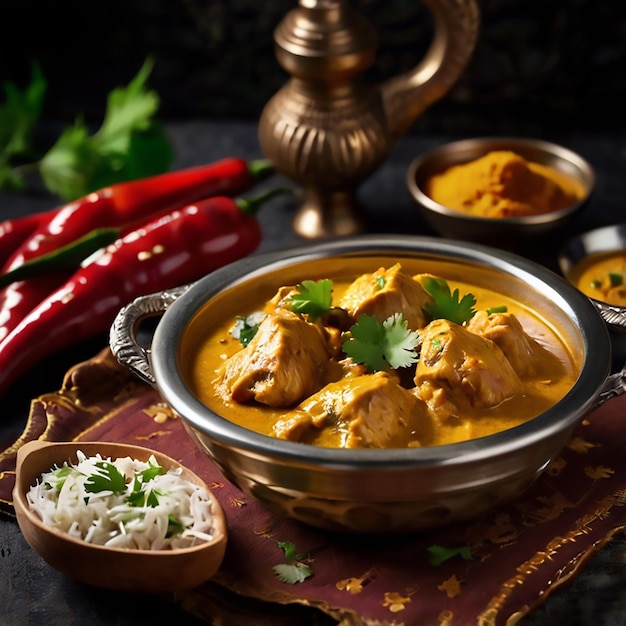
[[326, 129]]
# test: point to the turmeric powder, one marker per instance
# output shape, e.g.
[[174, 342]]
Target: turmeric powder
[[503, 184]]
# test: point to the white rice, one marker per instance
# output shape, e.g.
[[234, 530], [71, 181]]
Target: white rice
[[108, 519]]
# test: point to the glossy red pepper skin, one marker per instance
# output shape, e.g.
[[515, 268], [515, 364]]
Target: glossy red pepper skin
[[133, 202], [14, 232], [125, 205], [172, 250]]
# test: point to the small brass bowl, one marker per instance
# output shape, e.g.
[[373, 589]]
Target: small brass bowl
[[501, 232], [145, 571]]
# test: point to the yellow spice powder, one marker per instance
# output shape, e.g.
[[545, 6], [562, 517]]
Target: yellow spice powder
[[503, 184]]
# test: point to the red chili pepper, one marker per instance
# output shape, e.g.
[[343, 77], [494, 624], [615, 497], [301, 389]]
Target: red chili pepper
[[137, 200], [172, 250], [15, 231], [124, 205]]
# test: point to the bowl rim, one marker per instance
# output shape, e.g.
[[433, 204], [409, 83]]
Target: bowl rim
[[585, 244], [495, 143], [577, 401]]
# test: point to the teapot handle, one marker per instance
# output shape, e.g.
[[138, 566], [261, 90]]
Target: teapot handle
[[407, 95]]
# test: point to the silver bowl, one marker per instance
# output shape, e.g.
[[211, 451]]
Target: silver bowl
[[503, 232], [375, 491], [605, 239]]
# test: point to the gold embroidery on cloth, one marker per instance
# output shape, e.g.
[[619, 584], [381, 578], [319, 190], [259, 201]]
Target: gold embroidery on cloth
[[451, 587], [160, 412], [395, 602], [355, 585]]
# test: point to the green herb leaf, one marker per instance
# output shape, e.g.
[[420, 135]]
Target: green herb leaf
[[174, 526], [446, 304], [293, 571], [440, 554], [20, 114], [246, 327], [615, 279], [107, 478], [381, 346], [292, 574], [128, 145], [313, 298]]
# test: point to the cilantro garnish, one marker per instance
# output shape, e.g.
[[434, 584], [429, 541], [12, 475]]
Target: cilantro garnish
[[313, 298], [293, 570], [446, 304], [174, 526], [246, 327], [440, 554], [497, 309], [129, 144], [381, 346], [107, 478]]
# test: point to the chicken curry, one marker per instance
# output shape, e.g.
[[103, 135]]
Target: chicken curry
[[381, 360], [602, 276]]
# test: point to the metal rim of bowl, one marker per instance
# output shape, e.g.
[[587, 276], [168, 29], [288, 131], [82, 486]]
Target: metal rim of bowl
[[604, 239], [469, 148], [567, 412]]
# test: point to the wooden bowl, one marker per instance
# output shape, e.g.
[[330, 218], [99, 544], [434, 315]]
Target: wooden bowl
[[150, 571]]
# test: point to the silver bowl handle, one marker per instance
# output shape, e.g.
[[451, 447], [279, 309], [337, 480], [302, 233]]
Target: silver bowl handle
[[123, 340], [614, 386], [614, 316]]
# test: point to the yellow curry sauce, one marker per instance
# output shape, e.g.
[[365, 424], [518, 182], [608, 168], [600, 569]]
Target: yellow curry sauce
[[602, 276], [206, 353]]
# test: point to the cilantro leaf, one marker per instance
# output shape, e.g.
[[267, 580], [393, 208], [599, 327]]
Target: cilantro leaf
[[292, 574], [440, 554], [293, 571], [446, 304], [381, 346], [20, 114], [129, 144], [246, 327], [313, 298], [106, 478]]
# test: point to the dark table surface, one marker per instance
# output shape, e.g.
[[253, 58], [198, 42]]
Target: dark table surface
[[32, 593]]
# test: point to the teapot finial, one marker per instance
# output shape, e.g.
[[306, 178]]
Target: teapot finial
[[328, 130]]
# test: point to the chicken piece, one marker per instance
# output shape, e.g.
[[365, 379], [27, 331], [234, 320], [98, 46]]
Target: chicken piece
[[458, 368], [369, 411], [386, 292], [285, 362], [527, 356]]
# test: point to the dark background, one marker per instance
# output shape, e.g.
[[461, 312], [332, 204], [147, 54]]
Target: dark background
[[540, 65]]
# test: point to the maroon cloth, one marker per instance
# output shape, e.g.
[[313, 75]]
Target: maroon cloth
[[520, 553]]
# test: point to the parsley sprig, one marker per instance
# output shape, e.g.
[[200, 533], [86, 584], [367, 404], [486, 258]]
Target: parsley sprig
[[129, 144]]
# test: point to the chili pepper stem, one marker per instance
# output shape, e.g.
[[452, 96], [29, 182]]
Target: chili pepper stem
[[261, 169], [251, 205]]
